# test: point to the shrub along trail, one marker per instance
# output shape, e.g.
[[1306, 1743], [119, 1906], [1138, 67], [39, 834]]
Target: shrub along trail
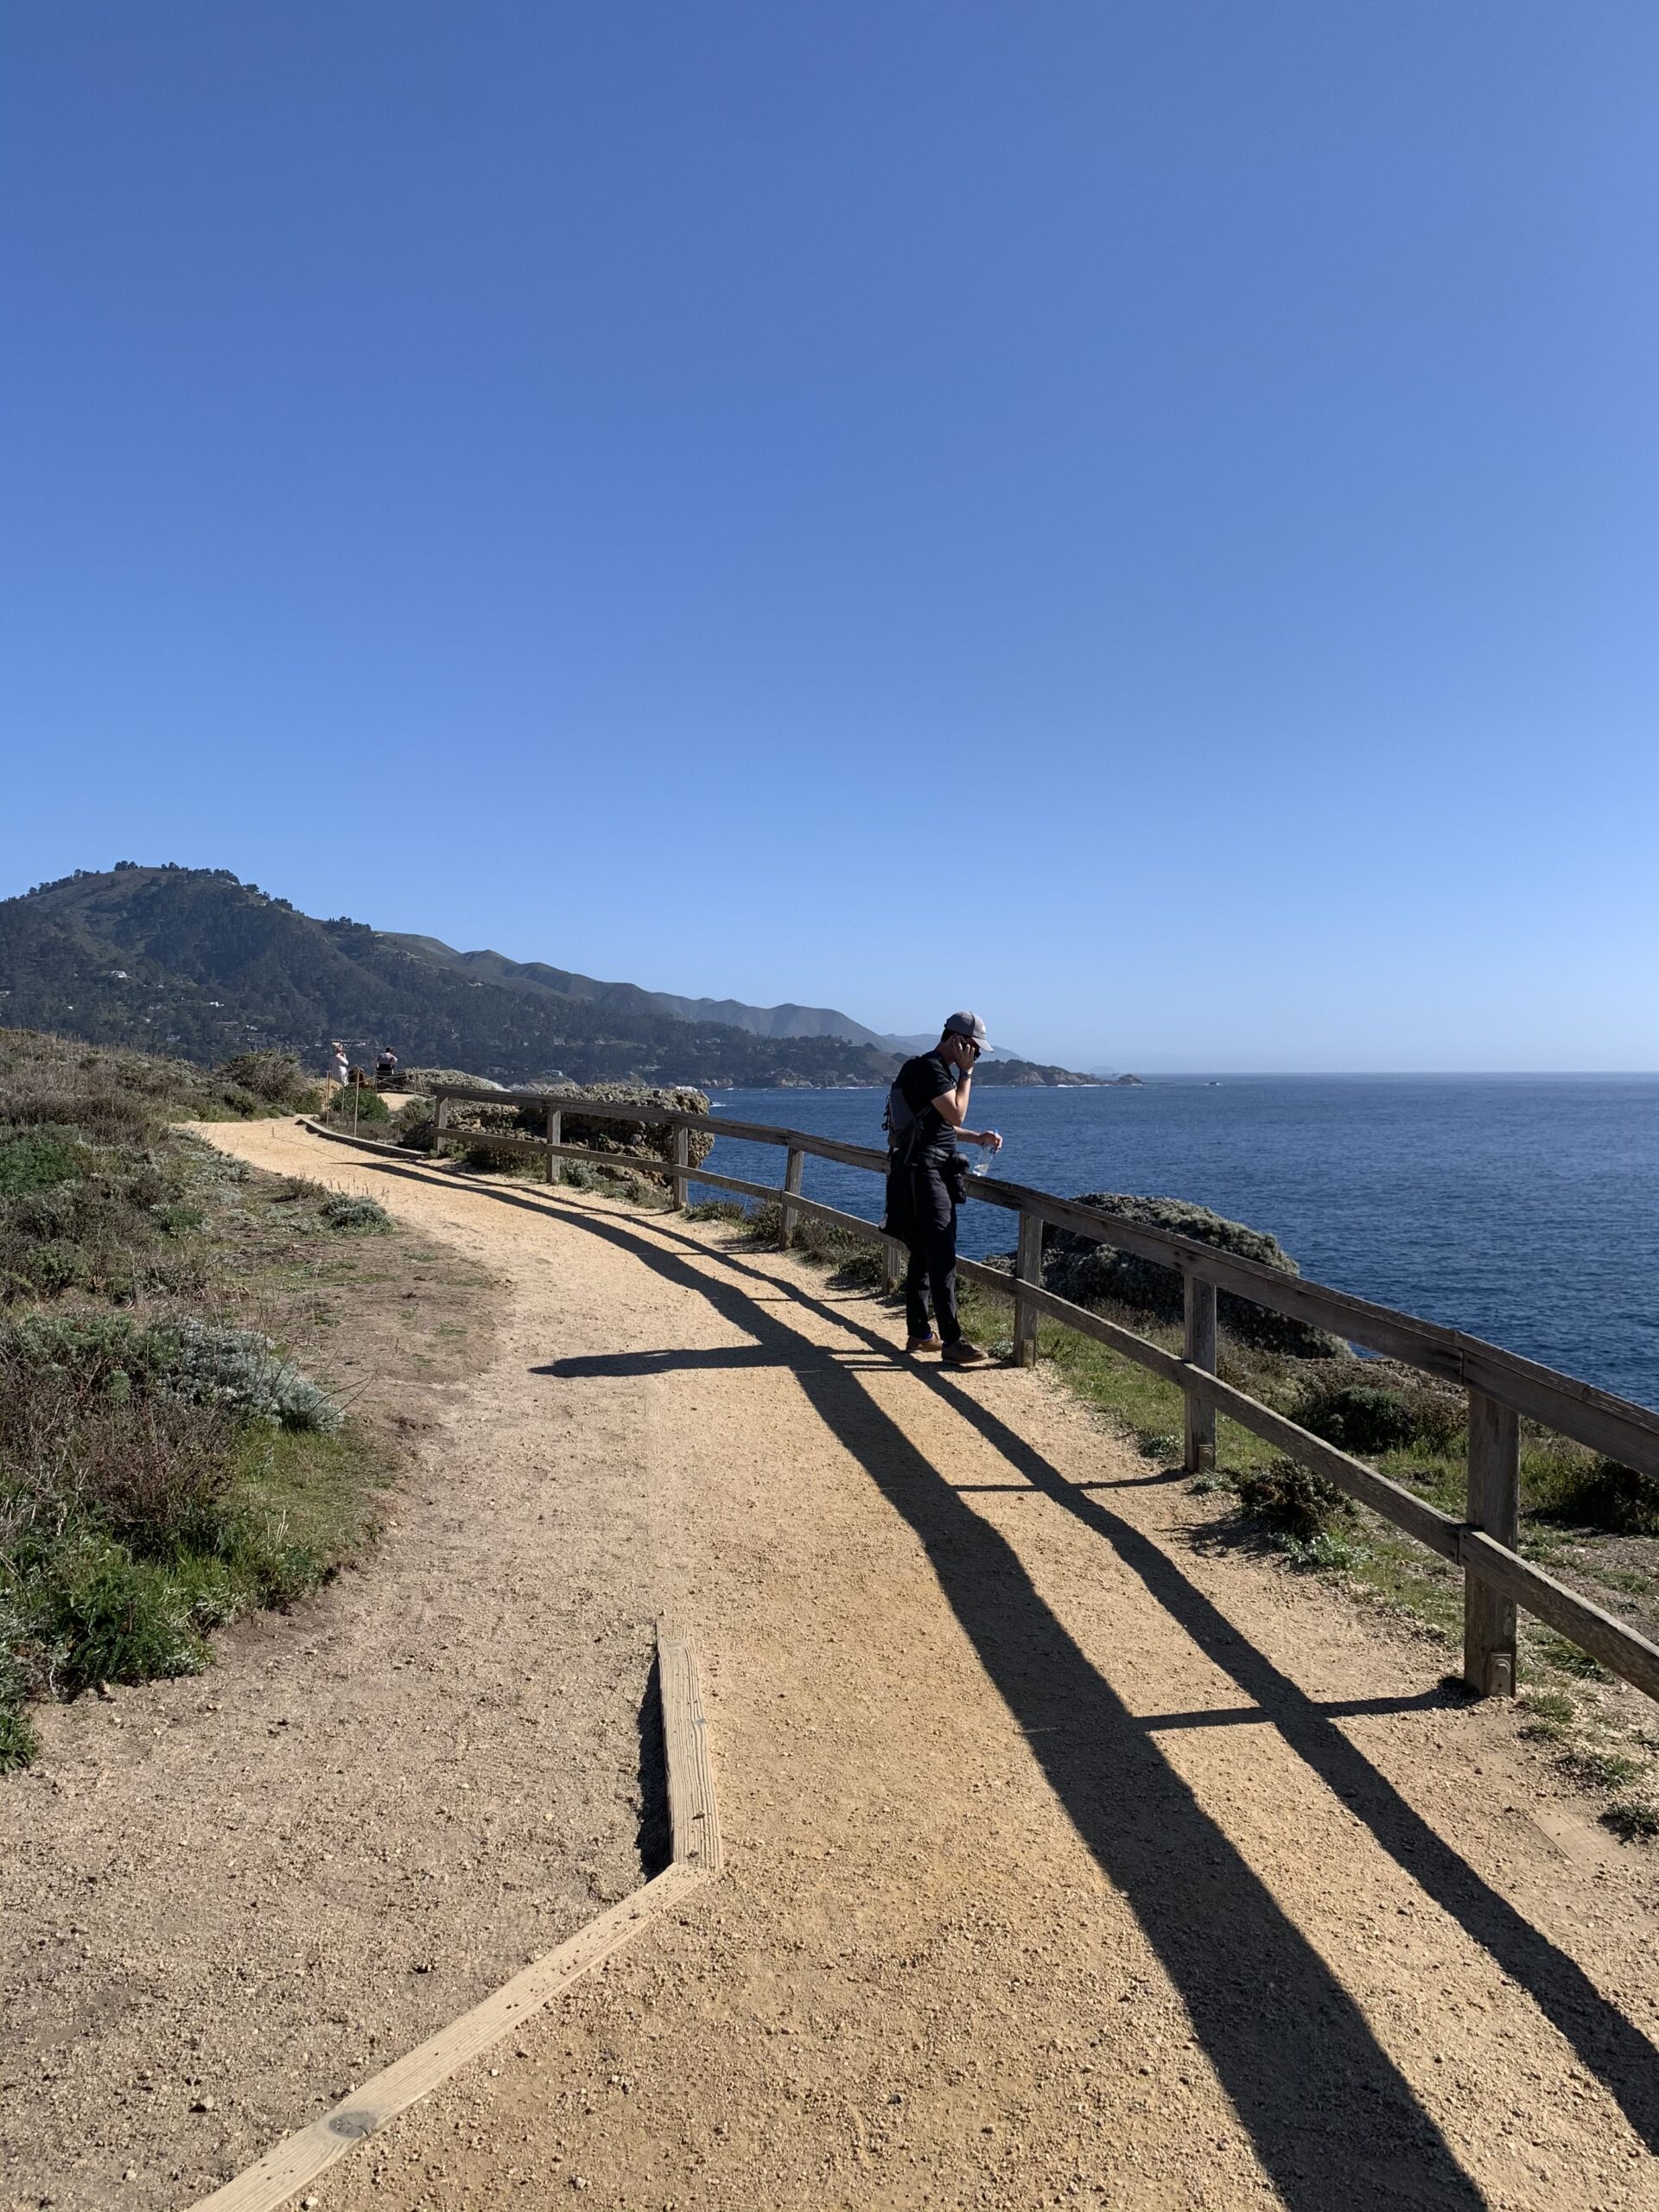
[[1069, 1861]]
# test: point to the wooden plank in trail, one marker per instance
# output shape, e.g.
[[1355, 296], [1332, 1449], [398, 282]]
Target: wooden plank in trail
[[300, 2159], [691, 1808]]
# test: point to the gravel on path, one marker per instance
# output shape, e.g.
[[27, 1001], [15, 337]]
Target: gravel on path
[[1071, 1859]]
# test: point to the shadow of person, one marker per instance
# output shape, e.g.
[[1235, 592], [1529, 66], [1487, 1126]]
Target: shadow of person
[[696, 1359], [1332, 2119]]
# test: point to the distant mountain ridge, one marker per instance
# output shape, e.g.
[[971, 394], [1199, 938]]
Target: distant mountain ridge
[[194, 962], [775, 1021]]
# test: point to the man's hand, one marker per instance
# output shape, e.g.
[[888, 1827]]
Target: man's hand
[[951, 1106]]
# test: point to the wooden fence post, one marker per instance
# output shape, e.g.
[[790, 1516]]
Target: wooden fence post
[[793, 1170], [442, 1115], [681, 1160], [895, 1261], [1495, 1507], [1199, 1452], [1027, 1267], [554, 1134]]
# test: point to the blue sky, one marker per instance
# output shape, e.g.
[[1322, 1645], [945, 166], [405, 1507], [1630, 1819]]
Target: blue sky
[[1139, 517]]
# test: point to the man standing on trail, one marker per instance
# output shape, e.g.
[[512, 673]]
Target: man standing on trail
[[927, 1180]]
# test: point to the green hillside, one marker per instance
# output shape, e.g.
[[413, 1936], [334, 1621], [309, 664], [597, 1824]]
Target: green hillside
[[194, 963]]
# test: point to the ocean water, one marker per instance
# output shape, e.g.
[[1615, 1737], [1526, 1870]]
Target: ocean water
[[1523, 1209]]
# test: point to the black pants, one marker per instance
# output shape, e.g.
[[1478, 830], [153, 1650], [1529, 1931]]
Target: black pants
[[931, 1233]]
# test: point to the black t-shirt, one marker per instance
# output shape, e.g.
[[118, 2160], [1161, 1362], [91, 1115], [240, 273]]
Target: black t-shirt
[[920, 1081]]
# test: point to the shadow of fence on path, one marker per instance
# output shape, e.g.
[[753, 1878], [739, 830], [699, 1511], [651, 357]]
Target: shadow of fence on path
[[1332, 2119]]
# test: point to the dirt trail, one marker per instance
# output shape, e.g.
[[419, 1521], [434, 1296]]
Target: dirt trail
[[1067, 1864], [252, 1888], [1069, 1861]]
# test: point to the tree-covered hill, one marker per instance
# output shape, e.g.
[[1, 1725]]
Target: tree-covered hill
[[195, 963], [192, 962]]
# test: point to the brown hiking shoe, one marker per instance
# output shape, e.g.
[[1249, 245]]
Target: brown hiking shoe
[[962, 1354], [926, 1343]]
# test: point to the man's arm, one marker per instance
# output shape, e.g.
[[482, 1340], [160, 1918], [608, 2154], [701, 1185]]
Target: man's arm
[[951, 1106]]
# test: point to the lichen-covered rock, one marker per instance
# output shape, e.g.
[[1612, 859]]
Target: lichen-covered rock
[[1090, 1274], [641, 1140], [425, 1080], [646, 1141]]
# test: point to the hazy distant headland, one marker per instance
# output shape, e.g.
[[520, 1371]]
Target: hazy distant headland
[[195, 963]]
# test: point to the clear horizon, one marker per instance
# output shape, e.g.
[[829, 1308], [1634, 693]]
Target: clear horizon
[[1139, 522]]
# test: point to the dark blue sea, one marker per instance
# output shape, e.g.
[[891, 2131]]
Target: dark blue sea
[[1524, 1209]]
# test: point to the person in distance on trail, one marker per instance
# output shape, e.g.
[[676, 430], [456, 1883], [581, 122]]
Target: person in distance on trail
[[338, 1069], [386, 1069], [927, 1109]]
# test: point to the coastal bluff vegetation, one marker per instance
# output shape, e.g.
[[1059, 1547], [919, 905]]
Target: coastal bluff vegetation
[[186, 1433], [195, 963]]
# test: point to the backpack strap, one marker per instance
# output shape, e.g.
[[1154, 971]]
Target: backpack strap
[[904, 1126]]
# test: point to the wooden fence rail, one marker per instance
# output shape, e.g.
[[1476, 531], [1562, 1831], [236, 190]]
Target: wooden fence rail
[[1501, 1387]]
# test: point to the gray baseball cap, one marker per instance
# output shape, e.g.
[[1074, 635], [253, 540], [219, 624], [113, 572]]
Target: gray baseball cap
[[969, 1026]]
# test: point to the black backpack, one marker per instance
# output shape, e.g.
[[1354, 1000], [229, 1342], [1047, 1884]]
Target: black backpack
[[902, 1126]]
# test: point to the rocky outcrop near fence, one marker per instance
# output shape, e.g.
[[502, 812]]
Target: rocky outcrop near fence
[[426, 1080], [521, 1116], [1089, 1274], [645, 1140]]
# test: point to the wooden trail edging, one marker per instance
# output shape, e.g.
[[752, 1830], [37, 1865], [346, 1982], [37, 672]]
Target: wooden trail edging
[[299, 2158], [693, 1817], [1501, 1387]]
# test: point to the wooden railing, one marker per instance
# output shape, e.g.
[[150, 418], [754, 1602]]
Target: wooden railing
[[1501, 1387]]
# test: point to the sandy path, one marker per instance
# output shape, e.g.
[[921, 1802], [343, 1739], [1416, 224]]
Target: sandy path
[[258, 1886], [1068, 1864]]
